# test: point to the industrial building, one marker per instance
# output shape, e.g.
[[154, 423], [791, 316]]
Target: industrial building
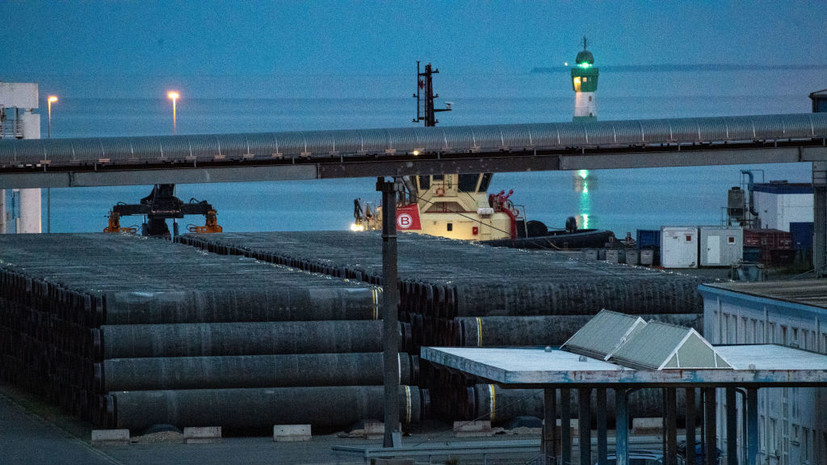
[[779, 203], [792, 421]]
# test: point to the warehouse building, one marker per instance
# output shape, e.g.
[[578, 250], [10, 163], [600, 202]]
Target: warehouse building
[[792, 421]]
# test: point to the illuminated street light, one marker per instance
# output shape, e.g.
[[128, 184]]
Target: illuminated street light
[[173, 95], [52, 99]]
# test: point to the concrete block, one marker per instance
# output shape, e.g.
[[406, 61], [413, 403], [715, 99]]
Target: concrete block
[[374, 430], [589, 254], [472, 429], [291, 433], [647, 426], [109, 437], [391, 462], [202, 435]]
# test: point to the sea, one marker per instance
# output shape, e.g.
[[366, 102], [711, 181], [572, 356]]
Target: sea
[[618, 200]]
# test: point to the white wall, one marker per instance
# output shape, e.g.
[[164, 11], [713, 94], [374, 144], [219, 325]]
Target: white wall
[[777, 211]]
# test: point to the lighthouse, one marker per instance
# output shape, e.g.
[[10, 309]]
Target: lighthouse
[[584, 82]]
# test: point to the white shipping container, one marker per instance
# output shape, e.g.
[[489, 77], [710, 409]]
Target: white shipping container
[[679, 246], [721, 246]]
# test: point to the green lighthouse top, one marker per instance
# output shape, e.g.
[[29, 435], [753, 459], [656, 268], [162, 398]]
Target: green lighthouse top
[[584, 75], [585, 59]]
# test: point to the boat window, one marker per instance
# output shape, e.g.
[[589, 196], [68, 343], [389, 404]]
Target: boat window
[[486, 180], [437, 177], [424, 182], [468, 182]]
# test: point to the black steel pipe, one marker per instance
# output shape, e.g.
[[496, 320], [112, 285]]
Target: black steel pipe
[[300, 301], [213, 339], [255, 408], [246, 371]]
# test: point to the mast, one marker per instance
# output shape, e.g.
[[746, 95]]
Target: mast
[[425, 96]]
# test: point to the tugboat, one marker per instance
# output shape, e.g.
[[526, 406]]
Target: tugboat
[[458, 206]]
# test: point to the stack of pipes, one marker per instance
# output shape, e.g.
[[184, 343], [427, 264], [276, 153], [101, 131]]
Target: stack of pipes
[[129, 332], [455, 293]]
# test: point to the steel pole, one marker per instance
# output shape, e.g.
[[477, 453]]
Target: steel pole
[[584, 417], [819, 217], [390, 301], [549, 426], [752, 425], [565, 426], [622, 427], [671, 426], [731, 427], [602, 442], [710, 453], [690, 426]]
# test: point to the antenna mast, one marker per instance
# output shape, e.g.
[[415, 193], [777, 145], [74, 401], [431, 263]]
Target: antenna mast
[[425, 96]]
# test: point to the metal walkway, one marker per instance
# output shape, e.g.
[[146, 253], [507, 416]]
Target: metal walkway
[[411, 151]]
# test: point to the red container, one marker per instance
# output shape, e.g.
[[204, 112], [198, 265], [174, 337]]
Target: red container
[[768, 239]]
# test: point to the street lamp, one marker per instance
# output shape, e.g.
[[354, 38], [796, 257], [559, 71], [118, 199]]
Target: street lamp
[[173, 95], [52, 99]]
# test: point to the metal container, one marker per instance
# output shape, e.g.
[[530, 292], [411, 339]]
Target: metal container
[[632, 256], [615, 255], [648, 238], [589, 254], [647, 257], [679, 247], [721, 246]]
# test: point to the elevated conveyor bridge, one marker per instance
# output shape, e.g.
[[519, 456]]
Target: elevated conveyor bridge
[[190, 159]]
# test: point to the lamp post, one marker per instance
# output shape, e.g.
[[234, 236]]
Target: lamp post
[[173, 95], [52, 99]]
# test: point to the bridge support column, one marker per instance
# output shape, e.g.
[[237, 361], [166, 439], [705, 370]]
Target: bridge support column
[[752, 425], [2, 211], [584, 424], [602, 442], [690, 426], [710, 427], [622, 426], [565, 426], [390, 303], [550, 438], [671, 425], [819, 217], [731, 426]]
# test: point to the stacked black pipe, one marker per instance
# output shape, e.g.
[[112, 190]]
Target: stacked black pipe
[[128, 332], [458, 294]]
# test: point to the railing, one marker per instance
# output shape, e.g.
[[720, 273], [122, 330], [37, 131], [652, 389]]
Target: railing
[[11, 128]]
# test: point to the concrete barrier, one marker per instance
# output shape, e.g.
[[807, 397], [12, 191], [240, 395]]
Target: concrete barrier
[[291, 433], [202, 435], [110, 437], [472, 429]]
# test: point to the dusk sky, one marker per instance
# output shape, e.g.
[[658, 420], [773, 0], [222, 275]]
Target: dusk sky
[[373, 38]]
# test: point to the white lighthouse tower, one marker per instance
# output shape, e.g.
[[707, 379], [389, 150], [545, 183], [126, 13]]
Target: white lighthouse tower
[[584, 82]]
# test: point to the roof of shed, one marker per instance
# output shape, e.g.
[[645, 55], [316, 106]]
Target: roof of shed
[[661, 346], [811, 292], [604, 334]]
